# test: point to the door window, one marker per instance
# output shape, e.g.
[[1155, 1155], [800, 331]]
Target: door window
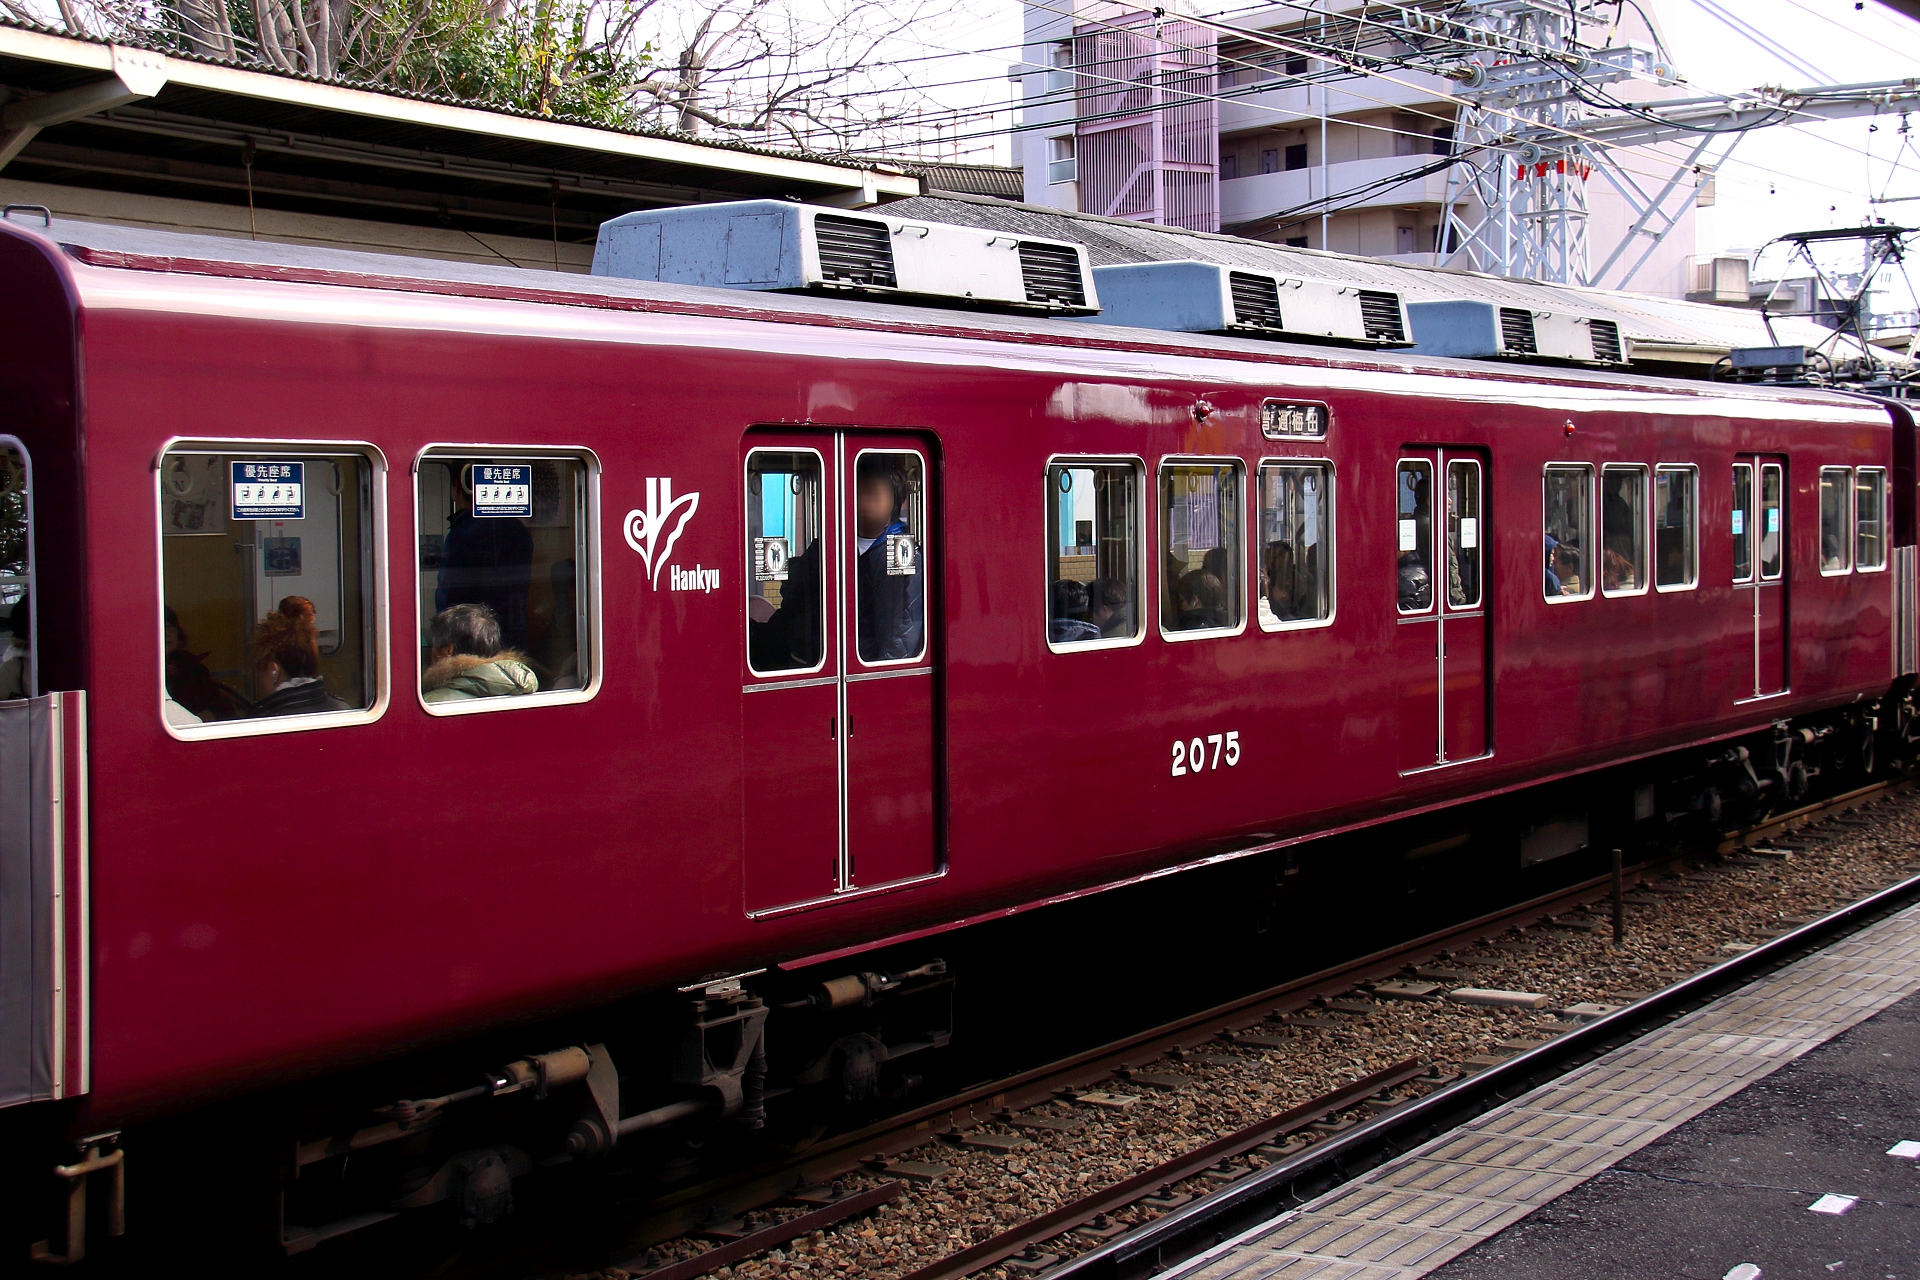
[[786, 591], [1771, 539], [504, 597], [890, 537], [1296, 543], [268, 577], [1200, 547], [1869, 519], [1568, 490], [18, 678], [1742, 522], [1413, 532], [1676, 559], [1093, 552], [1623, 530], [1464, 534], [1836, 494]]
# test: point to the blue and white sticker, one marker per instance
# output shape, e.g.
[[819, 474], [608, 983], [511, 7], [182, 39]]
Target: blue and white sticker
[[1773, 519], [269, 490], [503, 489], [1739, 522]]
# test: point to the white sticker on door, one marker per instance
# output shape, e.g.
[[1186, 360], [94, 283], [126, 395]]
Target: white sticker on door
[[1409, 535]]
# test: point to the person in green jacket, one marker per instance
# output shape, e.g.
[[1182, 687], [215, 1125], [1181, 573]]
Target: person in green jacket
[[468, 660]]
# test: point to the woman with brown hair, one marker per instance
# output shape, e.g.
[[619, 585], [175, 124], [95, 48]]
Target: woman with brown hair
[[286, 648]]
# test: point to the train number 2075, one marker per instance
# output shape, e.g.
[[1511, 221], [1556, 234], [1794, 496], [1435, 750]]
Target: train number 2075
[[1192, 755]]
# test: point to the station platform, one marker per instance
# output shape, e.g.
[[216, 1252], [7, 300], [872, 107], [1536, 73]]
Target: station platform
[[1700, 1149]]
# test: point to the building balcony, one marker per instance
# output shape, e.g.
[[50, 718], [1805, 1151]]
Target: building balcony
[[1256, 196], [1291, 105]]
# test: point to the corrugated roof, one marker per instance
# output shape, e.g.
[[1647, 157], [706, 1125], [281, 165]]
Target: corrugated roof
[[1001, 181], [1662, 328]]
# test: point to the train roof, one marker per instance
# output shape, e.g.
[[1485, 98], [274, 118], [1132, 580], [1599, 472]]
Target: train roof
[[143, 249]]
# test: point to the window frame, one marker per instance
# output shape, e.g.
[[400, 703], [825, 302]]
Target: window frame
[[1333, 535], [1139, 637], [1849, 522], [1593, 524], [1886, 556], [851, 661], [1444, 534], [380, 646], [1760, 509], [1646, 528], [827, 518], [1693, 534], [1202, 460], [1436, 536], [1752, 511], [591, 519]]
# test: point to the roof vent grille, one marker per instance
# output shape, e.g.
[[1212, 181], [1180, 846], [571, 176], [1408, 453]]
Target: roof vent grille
[[1606, 341], [1516, 332], [1051, 273], [854, 250], [1381, 314], [1256, 300]]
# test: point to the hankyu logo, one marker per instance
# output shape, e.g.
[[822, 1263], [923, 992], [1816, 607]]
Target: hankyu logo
[[653, 532]]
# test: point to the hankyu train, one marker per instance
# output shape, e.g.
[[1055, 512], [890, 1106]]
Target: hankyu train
[[410, 650]]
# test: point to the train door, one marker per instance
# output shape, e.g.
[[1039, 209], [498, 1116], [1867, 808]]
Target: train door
[[1442, 650], [1759, 564], [839, 690]]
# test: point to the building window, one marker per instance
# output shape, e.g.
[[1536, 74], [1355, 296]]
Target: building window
[[1062, 163], [1093, 552], [1296, 156], [1296, 242], [1676, 555], [1568, 516], [1296, 543], [1443, 140], [1060, 79], [1296, 66], [1869, 516], [504, 587], [1229, 165], [1200, 546], [1836, 484], [270, 584]]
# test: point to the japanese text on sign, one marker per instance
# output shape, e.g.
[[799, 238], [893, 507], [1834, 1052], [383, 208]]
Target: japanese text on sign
[[1278, 420], [269, 490], [503, 489]]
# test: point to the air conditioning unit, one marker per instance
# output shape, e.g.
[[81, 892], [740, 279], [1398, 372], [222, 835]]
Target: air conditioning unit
[[1484, 331], [1205, 297], [773, 245]]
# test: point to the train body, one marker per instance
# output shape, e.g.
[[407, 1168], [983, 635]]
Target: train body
[[272, 898]]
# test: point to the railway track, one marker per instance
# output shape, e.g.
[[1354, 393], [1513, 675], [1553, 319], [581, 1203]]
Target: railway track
[[1195, 1197]]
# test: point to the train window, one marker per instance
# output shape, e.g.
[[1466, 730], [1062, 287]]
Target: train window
[[271, 581], [1413, 535], [1836, 493], [1093, 553], [1296, 544], [1200, 548], [1742, 522], [1623, 530], [1771, 485], [1464, 530], [1869, 519], [18, 678], [1676, 554], [890, 593], [786, 600], [504, 577], [1568, 524]]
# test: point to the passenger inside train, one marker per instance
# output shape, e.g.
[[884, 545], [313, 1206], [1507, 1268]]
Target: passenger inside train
[[287, 655], [471, 660]]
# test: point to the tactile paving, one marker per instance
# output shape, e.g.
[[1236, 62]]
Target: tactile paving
[[1413, 1214]]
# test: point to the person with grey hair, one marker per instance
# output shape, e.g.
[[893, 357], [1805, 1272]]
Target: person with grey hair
[[469, 660]]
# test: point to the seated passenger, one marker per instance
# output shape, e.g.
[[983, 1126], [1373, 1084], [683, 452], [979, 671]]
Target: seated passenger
[[891, 598], [1068, 623], [13, 662], [1203, 602], [1278, 583], [1619, 572], [1553, 585], [190, 686], [1416, 584], [469, 661], [286, 648], [1566, 569], [1110, 608]]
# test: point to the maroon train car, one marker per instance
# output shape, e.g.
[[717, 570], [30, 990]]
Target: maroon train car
[[824, 604]]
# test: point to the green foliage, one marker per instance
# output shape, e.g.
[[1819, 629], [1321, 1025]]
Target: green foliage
[[542, 58]]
